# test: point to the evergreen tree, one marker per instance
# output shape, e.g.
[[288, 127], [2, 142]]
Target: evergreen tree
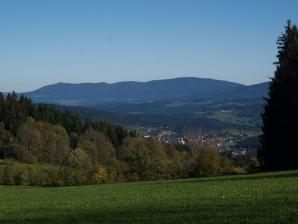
[[280, 118], [2, 106]]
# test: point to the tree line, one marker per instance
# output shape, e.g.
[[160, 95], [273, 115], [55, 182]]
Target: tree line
[[46, 146]]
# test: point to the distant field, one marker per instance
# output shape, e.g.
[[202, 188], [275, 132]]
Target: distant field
[[259, 198]]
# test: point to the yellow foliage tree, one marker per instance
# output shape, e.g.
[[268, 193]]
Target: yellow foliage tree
[[101, 175]]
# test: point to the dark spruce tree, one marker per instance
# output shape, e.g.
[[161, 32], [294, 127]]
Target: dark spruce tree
[[280, 118]]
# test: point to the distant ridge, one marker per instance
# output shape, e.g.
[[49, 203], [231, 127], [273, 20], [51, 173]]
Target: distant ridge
[[253, 91], [185, 88]]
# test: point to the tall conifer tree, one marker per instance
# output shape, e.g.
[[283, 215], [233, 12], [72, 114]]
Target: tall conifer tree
[[280, 118]]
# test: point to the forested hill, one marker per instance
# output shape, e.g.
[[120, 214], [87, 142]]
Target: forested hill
[[42, 145], [88, 94], [257, 91], [15, 111]]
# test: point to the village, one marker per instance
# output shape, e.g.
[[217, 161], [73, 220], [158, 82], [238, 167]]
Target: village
[[224, 141]]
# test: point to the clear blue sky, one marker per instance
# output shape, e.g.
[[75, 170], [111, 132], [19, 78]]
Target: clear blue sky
[[49, 41]]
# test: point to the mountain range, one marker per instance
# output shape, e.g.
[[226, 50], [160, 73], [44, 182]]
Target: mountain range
[[179, 89], [180, 104]]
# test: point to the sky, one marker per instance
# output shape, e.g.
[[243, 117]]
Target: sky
[[48, 41]]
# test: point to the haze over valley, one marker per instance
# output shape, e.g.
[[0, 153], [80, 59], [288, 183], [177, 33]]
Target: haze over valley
[[222, 113]]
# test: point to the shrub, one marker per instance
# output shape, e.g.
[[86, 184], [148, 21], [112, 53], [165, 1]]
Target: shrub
[[208, 162], [7, 178], [20, 175], [101, 175]]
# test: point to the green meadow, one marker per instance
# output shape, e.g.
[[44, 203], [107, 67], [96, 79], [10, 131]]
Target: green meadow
[[256, 198]]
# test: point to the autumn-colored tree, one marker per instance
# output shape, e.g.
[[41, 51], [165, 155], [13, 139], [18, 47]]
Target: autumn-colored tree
[[208, 162], [174, 163]]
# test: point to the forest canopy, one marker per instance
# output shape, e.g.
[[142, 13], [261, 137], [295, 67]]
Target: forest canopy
[[43, 145]]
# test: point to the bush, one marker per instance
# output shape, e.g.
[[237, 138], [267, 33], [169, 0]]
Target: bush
[[208, 162], [254, 165], [7, 175], [100, 176], [33, 178], [226, 166], [39, 175], [71, 176], [20, 175]]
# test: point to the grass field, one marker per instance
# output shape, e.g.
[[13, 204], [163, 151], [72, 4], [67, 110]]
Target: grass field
[[258, 198]]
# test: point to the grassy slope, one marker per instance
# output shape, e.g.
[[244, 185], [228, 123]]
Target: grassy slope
[[259, 198]]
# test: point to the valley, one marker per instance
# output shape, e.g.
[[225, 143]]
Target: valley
[[210, 112]]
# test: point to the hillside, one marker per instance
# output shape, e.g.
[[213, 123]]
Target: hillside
[[42, 145], [180, 105], [258, 198], [254, 91]]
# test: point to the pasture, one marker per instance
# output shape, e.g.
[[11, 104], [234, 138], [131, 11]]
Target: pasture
[[256, 198]]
